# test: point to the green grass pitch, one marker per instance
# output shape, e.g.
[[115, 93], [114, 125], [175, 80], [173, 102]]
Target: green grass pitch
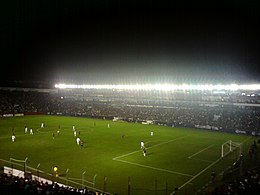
[[176, 157]]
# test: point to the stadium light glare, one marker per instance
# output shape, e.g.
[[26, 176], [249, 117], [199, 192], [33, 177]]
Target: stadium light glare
[[164, 87], [250, 87]]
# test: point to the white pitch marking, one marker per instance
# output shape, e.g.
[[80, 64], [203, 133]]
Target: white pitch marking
[[147, 148], [167, 142], [126, 154], [194, 177], [155, 168], [208, 161], [201, 151]]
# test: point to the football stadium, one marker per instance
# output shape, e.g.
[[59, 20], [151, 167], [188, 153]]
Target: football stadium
[[86, 139], [140, 97]]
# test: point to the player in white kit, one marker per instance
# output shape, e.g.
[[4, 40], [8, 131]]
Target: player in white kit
[[13, 138], [78, 140], [142, 144]]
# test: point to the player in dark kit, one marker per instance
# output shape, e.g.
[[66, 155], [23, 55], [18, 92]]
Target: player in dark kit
[[144, 151], [81, 144]]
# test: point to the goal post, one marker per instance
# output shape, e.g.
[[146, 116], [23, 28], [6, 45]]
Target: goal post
[[19, 163], [230, 146]]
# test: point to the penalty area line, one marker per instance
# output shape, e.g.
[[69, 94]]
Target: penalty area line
[[154, 168], [201, 151], [207, 161], [202, 171], [115, 158], [198, 174]]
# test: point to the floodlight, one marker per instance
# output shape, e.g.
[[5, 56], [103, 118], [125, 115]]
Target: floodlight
[[164, 87]]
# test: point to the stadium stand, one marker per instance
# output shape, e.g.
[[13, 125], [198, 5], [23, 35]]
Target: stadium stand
[[249, 183], [235, 112], [17, 185]]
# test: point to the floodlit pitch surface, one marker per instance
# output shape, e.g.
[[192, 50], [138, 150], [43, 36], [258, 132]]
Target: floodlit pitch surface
[[176, 157]]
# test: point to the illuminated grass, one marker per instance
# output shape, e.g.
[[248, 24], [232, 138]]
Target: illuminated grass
[[174, 155]]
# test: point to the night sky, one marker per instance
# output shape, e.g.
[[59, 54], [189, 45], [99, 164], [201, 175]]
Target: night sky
[[90, 41]]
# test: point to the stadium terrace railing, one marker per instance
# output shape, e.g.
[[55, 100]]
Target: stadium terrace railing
[[21, 169]]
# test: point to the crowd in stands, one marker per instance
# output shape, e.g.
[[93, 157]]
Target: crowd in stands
[[14, 185], [196, 113], [249, 183]]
